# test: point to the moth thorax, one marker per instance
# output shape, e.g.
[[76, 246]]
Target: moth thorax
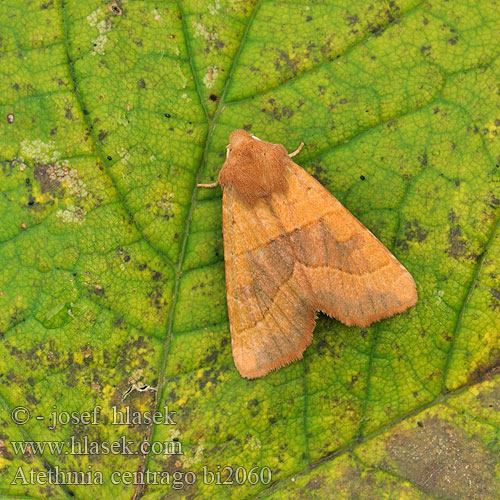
[[255, 170]]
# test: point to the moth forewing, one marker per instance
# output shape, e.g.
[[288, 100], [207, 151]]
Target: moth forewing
[[291, 249]]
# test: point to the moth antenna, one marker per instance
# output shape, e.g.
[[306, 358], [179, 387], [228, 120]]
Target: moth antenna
[[297, 151], [212, 185]]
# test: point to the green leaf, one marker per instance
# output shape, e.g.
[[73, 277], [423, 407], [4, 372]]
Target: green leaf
[[112, 277]]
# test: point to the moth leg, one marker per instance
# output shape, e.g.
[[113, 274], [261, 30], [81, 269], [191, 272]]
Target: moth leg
[[297, 151], [212, 185]]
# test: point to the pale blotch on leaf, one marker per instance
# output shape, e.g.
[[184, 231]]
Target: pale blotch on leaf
[[201, 30], [97, 19], [182, 75], [60, 173], [174, 434], [55, 171], [189, 461], [254, 443], [165, 204], [39, 151], [17, 162], [213, 8], [210, 76], [121, 119], [72, 214], [124, 155]]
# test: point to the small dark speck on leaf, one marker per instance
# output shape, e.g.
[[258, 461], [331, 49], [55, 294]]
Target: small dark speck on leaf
[[420, 424], [126, 258], [109, 158], [212, 97], [27, 181], [362, 177], [167, 115]]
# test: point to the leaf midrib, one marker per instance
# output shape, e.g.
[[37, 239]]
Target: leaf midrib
[[212, 123]]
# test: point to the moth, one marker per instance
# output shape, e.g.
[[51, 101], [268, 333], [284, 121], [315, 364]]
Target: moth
[[291, 249]]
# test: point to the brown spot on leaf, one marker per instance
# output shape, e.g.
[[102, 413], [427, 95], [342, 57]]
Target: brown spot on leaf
[[115, 8], [490, 398], [495, 299], [286, 63], [46, 176], [316, 483], [443, 461], [492, 364], [414, 232], [458, 245], [352, 20]]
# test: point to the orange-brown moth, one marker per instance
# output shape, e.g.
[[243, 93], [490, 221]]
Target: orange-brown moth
[[291, 249]]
